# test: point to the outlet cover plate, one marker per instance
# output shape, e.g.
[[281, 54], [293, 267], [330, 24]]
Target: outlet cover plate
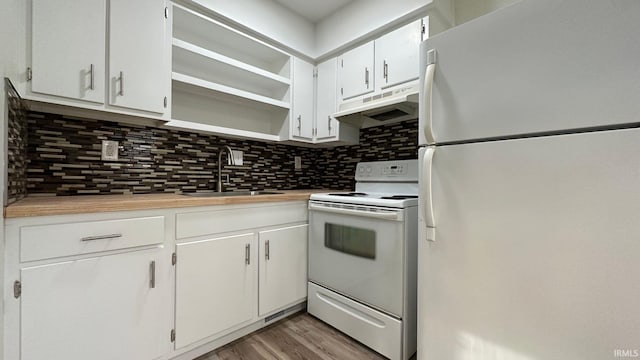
[[237, 157], [298, 162], [109, 150]]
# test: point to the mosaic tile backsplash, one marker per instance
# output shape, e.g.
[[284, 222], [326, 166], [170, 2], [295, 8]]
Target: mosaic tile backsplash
[[389, 142], [64, 159], [16, 145]]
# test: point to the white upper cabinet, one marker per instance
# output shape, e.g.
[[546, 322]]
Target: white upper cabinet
[[357, 71], [315, 95], [302, 120], [68, 62], [389, 60], [397, 56], [138, 70], [326, 99], [67, 49], [328, 128]]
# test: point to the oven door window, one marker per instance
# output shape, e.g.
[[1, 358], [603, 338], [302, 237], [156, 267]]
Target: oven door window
[[350, 240]]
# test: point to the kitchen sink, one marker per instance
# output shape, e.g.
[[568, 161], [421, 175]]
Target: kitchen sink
[[230, 193]]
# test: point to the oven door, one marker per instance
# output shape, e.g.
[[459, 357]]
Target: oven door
[[358, 251]]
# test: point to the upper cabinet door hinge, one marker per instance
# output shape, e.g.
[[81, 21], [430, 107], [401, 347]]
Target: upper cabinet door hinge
[[29, 74], [341, 62], [17, 289], [166, 12], [173, 335], [174, 259], [315, 73]]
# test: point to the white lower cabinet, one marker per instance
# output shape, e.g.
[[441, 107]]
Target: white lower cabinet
[[232, 281], [215, 286], [100, 308], [149, 285], [283, 267], [87, 287]]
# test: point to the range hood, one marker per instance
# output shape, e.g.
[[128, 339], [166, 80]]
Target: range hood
[[390, 106]]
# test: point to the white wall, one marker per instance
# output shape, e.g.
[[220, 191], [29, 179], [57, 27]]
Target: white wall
[[269, 18], [466, 10], [361, 19]]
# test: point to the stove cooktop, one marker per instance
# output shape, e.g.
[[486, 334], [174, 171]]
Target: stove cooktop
[[380, 183], [374, 199]]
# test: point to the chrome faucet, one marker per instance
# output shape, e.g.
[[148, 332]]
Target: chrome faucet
[[230, 161]]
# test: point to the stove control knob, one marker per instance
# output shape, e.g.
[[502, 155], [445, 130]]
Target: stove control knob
[[369, 169]]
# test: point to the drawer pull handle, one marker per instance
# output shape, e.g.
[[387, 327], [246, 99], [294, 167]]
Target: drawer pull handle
[[266, 250], [101, 237], [152, 271]]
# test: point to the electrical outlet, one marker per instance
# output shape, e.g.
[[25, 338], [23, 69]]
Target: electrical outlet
[[237, 157], [109, 150], [298, 162]]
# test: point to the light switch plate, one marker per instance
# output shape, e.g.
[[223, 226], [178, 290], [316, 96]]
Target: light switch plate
[[109, 150], [237, 157]]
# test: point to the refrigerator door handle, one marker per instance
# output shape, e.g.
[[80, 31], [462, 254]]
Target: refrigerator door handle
[[428, 97], [426, 195]]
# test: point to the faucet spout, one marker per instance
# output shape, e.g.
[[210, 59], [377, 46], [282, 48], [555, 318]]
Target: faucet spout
[[230, 161]]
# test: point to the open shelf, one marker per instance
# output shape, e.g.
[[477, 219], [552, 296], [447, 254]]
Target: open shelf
[[208, 86], [194, 61], [224, 114], [225, 82], [206, 33], [214, 56]]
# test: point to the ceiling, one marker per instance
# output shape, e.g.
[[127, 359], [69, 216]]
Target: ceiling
[[314, 10]]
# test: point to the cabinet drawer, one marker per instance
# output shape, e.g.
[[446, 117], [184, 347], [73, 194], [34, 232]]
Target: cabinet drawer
[[50, 241], [221, 221]]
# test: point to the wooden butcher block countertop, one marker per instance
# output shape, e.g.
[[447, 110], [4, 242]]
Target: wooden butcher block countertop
[[82, 204]]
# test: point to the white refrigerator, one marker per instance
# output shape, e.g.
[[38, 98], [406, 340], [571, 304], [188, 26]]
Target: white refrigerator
[[529, 244]]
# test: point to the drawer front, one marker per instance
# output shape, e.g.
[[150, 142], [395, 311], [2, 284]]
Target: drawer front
[[220, 221], [378, 331], [51, 241]]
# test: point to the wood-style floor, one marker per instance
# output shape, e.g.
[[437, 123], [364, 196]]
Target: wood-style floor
[[300, 337]]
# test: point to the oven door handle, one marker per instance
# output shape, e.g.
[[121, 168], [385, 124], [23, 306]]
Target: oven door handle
[[390, 215]]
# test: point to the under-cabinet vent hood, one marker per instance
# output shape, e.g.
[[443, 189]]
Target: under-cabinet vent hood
[[390, 106]]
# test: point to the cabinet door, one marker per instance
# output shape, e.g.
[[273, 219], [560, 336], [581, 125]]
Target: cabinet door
[[302, 109], [326, 96], [215, 286], [101, 308], [68, 48], [283, 267], [138, 66], [398, 55], [357, 71]]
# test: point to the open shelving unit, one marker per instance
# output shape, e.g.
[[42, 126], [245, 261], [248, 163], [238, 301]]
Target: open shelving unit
[[225, 82]]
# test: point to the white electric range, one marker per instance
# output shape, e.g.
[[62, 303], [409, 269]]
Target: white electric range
[[363, 257]]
